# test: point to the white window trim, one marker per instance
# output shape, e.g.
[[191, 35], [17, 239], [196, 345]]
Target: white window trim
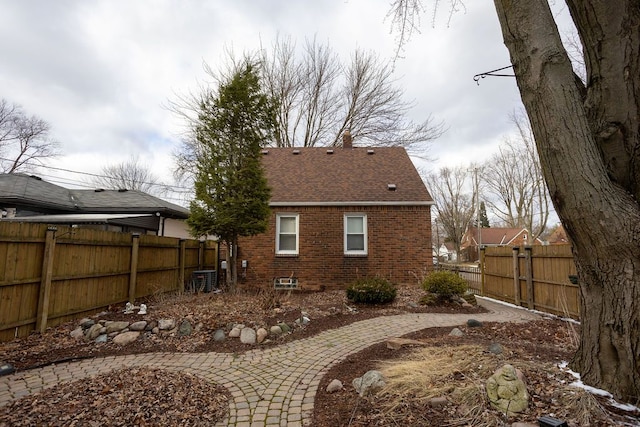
[[365, 232], [287, 252]]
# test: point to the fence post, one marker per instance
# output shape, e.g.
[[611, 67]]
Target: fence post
[[45, 280], [133, 275], [516, 275], [201, 255], [482, 254], [181, 262], [529, 275]]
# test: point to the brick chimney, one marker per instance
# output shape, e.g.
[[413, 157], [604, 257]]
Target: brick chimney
[[346, 140]]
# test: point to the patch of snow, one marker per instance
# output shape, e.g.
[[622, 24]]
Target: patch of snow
[[597, 391], [544, 314]]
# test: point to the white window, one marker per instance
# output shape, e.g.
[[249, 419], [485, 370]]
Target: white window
[[355, 234], [287, 234]]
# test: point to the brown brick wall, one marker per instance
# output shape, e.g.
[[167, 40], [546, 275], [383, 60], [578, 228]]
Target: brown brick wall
[[399, 248]]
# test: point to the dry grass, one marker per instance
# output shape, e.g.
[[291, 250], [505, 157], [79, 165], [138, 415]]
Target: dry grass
[[452, 372], [572, 333], [460, 373]]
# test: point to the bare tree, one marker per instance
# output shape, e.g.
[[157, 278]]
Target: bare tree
[[587, 136], [455, 206], [320, 98], [24, 140], [131, 175], [513, 178]]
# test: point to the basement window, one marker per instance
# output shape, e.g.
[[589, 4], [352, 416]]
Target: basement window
[[285, 283]]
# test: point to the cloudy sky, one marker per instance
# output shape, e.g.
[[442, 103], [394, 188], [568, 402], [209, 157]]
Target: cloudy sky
[[101, 72]]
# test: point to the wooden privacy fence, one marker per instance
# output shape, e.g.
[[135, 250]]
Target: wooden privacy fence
[[533, 276], [49, 275]]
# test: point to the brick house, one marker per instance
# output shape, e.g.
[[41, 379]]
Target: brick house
[[339, 214], [493, 236]]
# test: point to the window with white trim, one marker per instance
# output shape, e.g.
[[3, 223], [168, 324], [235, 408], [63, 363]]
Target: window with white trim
[[355, 234], [287, 234]]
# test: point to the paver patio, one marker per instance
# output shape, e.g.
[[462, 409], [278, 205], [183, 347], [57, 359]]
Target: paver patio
[[270, 387]]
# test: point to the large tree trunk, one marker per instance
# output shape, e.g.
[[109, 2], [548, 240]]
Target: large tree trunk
[[587, 139]]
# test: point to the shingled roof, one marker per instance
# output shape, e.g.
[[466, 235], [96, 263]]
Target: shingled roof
[[42, 196], [337, 176]]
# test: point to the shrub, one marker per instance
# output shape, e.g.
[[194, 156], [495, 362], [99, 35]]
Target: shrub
[[444, 284], [371, 291]]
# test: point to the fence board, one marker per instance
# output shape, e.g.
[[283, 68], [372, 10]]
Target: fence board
[[90, 271], [546, 280], [534, 276]]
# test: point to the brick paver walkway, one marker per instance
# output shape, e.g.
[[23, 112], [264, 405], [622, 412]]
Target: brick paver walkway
[[270, 387]]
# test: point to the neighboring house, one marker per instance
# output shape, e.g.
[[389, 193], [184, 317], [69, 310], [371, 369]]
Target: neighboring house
[[447, 252], [27, 198], [340, 214], [493, 236], [558, 236]]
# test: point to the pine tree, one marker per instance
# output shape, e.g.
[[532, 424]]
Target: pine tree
[[231, 192], [484, 220]]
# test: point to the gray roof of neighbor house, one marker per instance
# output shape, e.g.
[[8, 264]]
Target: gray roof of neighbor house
[[31, 192], [343, 176]]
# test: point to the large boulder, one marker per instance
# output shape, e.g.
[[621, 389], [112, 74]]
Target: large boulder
[[368, 383]]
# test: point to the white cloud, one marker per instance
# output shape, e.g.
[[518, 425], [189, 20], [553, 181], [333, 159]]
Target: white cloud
[[101, 72]]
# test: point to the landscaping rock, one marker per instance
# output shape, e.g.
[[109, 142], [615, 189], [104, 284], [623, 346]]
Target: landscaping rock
[[285, 328], [155, 330], [185, 329], [261, 334], [126, 338], [397, 343], [473, 323], [115, 326], [247, 336], [335, 385], [138, 326], [235, 333], [101, 339], [77, 333], [438, 402], [368, 383], [166, 324], [455, 332], [93, 332], [276, 330], [86, 323], [495, 348], [218, 335]]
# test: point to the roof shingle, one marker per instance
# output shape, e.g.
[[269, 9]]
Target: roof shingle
[[360, 175]]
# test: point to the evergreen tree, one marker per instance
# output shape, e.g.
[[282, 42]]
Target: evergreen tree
[[484, 220], [231, 192]]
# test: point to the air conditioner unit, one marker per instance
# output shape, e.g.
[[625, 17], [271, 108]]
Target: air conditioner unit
[[204, 280], [285, 283]]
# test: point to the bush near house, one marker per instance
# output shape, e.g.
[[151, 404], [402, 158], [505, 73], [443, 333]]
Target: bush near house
[[444, 284], [373, 290]]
